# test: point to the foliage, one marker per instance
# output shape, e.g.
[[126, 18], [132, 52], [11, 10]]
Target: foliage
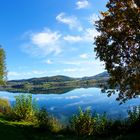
[[24, 108], [86, 123], [47, 122], [42, 118], [83, 123], [5, 106], [23, 131], [28, 86], [3, 72], [102, 124], [134, 116], [118, 46], [55, 125]]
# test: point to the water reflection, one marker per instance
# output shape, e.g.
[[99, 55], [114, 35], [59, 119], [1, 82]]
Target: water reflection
[[64, 105]]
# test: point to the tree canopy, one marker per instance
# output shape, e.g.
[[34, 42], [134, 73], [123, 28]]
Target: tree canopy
[[118, 46], [3, 72]]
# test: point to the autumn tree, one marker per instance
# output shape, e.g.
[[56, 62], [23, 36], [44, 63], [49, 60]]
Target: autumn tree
[[118, 46], [3, 72]]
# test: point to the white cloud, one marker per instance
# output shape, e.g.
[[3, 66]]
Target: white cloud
[[45, 38], [84, 56], [73, 70], [72, 39], [13, 74], [43, 43], [71, 21], [28, 74], [72, 97], [48, 61], [90, 34], [70, 70], [92, 18], [81, 4], [81, 62], [75, 103], [36, 72], [87, 35], [52, 108]]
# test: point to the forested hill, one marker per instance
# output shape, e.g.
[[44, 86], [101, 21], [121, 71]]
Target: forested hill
[[59, 78], [103, 75], [54, 84]]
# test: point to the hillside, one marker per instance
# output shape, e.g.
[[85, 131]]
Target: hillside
[[59, 78], [55, 84], [100, 76], [35, 81]]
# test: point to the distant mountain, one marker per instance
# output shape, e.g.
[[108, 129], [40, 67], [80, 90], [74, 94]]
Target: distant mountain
[[103, 75], [54, 84], [59, 78]]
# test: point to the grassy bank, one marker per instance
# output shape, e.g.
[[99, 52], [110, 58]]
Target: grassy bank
[[25, 121], [10, 130]]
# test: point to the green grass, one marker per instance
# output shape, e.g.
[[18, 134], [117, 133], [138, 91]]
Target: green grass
[[10, 130], [24, 122]]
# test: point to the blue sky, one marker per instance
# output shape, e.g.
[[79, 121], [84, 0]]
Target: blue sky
[[45, 38]]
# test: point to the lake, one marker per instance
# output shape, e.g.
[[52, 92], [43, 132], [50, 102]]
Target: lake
[[64, 105]]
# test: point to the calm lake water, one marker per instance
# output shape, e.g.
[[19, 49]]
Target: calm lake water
[[64, 105]]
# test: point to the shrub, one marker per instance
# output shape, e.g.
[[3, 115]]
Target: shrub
[[134, 118], [5, 106], [47, 122], [134, 114], [55, 125], [42, 118], [24, 108], [83, 123], [86, 123], [102, 124]]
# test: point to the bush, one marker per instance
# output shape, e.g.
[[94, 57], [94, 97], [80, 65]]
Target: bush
[[24, 108], [134, 118], [47, 122], [102, 124], [42, 118], [86, 123], [55, 125], [134, 114], [5, 106], [83, 123]]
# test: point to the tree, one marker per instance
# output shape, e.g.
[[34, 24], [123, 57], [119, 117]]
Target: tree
[[118, 46], [3, 72]]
